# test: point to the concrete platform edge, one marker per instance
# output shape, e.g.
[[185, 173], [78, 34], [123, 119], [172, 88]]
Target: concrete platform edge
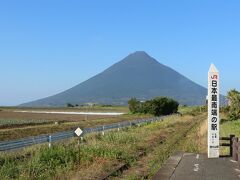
[[169, 167]]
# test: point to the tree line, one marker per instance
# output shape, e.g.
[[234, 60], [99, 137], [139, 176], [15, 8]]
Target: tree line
[[157, 106]]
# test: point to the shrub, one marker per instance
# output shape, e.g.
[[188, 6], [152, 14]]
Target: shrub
[[70, 105], [234, 104], [225, 109]]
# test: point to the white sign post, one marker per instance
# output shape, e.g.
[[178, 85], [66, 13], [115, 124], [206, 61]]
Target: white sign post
[[78, 132], [213, 112]]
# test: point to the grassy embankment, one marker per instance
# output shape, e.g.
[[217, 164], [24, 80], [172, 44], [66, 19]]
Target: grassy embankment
[[100, 154]]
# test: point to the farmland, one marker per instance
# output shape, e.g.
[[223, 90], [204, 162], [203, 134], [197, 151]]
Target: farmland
[[142, 149], [14, 125]]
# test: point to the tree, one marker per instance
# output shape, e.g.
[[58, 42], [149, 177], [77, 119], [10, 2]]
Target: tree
[[234, 104], [157, 106], [163, 106], [134, 105]]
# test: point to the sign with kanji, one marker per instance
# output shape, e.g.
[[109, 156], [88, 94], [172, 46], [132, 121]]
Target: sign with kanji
[[213, 112]]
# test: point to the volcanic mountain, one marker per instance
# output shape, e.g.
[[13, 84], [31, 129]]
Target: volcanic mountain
[[138, 75]]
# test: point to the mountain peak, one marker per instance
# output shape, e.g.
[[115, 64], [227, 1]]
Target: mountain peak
[[139, 54], [139, 57]]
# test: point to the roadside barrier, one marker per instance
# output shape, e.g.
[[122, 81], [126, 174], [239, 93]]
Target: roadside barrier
[[25, 142]]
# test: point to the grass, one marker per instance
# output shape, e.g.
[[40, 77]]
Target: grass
[[20, 125], [179, 137], [191, 110], [99, 154], [12, 122], [230, 127], [196, 141], [226, 129], [15, 125], [38, 129]]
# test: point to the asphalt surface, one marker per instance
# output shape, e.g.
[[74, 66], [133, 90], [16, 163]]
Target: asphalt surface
[[186, 166]]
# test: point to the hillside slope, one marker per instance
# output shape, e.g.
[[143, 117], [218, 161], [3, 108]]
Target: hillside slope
[[138, 75]]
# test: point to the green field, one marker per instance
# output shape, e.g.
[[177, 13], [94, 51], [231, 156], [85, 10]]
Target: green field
[[99, 154]]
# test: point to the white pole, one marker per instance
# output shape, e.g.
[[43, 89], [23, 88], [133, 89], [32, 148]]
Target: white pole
[[103, 131], [49, 141], [213, 112]]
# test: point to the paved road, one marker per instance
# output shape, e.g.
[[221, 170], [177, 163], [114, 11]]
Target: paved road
[[184, 166]]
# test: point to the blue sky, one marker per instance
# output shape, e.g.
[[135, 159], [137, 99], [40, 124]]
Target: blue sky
[[49, 46]]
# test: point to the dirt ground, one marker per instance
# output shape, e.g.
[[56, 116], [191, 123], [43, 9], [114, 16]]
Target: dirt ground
[[15, 125], [51, 117]]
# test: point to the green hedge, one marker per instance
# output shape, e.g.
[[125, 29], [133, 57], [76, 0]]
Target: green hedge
[[157, 106]]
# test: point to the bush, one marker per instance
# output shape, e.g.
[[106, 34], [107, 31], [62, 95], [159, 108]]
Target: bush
[[234, 105], [70, 105], [157, 106], [106, 105], [134, 105], [225, 109]]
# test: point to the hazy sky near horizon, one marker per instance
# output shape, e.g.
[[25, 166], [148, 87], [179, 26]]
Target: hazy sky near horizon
[[49, 46]]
